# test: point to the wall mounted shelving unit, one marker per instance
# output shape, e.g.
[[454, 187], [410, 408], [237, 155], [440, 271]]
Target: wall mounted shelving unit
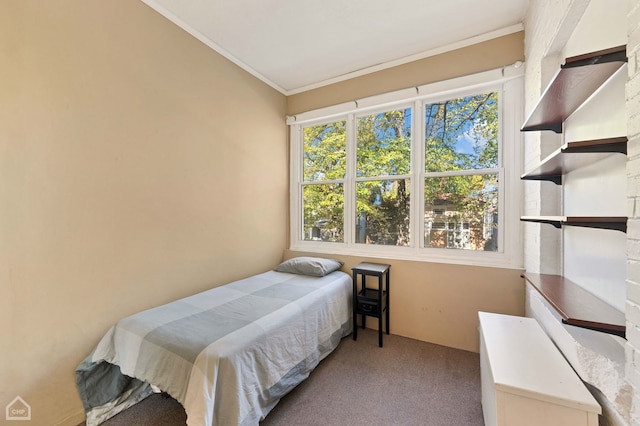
[[573, 85]]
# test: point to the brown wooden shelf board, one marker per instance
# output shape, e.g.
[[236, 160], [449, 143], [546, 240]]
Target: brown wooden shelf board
[[606, 145], [614, 223], [577, 306], [572, 85], [574, 155]]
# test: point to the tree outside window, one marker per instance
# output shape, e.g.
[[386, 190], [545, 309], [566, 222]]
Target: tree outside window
[[383, 152], [324, 171]]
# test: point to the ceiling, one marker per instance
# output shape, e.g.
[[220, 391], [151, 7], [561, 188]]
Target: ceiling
[[297, 45]]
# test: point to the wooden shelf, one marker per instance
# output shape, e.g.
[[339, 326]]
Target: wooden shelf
[[616, 223], [576, 305], [574, 155], [573, 84]]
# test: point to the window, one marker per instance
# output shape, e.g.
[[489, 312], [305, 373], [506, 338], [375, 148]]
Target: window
[[383, 178], [461, 172], [324, 171], [430, 177]]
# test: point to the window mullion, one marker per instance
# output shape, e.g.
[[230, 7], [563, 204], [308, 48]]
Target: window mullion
[[383, 177], [350, 184], [296, 208], [417, 181], [321, 182], [463, 172]]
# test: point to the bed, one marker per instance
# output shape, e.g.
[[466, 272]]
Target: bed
[[227, 354]]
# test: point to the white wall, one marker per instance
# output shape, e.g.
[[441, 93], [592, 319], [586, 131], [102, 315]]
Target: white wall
[[595, 258], [633, 208]]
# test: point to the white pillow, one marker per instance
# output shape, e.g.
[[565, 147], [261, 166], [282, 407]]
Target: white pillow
[[314, 266]]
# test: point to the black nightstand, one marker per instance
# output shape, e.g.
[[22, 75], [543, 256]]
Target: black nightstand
[[373, 302]]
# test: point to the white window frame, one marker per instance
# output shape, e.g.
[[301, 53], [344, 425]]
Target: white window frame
[[508, 81]]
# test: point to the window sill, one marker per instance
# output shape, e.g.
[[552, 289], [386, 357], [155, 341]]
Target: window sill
[[446, 256]]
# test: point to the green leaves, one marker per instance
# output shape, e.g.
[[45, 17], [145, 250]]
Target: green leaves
[[384, 144], [325, 152], [462, 133], [382, 210]]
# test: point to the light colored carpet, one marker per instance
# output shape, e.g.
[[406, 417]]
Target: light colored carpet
[[407, 382]]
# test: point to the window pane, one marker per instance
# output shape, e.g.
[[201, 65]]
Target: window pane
[[461, 212], [384, 144], [325, 154], [382, 212], [462, 133], [323, 212]]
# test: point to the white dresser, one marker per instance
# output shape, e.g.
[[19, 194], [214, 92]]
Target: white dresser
[[525, 379]]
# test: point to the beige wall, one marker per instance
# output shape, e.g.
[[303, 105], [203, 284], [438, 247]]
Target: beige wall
[[129, 178], [439, 303], [136, 166], [480, 57]]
